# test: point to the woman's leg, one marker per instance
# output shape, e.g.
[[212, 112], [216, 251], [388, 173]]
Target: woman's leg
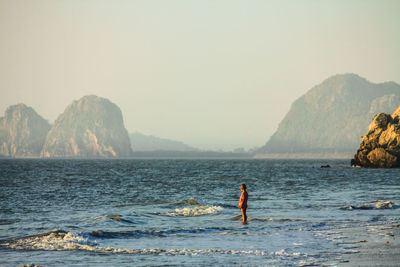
[[244, 216]]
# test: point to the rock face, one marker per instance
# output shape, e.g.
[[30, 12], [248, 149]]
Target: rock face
[[91, 127], [331, 117], [141, 142], [22, 132], [380, 146]]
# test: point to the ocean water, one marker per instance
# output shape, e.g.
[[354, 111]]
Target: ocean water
[[184, 212]]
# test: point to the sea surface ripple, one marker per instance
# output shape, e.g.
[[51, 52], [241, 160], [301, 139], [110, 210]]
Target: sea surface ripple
[[184, 212]]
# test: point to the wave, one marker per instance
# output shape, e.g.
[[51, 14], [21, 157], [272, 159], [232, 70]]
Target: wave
[[190, 201], [195, 208], [59, 240], [114, 217], [154, 233], [376, 204], [195, 211], [54, 240]]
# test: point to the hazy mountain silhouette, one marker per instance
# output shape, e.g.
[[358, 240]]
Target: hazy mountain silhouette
[[141, 142], [22, 132], [89, 127], [332, 116]]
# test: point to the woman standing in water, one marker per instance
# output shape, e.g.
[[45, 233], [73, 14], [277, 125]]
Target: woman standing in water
[[243, 202]]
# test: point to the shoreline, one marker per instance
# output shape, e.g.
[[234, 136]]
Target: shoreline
[[377, 245], [304, 156]]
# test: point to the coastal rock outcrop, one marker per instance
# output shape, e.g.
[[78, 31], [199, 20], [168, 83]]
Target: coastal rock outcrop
[[380, 146], [22, 132], [331, 117], [91, 127]]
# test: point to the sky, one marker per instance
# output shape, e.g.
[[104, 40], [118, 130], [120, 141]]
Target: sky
[[214, 74]]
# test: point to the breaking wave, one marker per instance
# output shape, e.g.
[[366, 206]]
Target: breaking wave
[[54, 240], [195, 208], [60, 240], [195, 211], [376, 204]]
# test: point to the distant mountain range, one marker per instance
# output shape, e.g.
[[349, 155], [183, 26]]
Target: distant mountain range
[[141, 142], [329, 119], [332, 116], [91, 127]]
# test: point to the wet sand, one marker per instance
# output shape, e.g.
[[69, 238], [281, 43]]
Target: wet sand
[[378, 246]]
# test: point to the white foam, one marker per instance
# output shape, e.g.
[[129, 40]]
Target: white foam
[[59, 240], [376, 204], [196, 211], [56, 240], [283, 252], [382, 204]]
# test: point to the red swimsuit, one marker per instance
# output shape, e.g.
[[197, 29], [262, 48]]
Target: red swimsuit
[[243, 200]]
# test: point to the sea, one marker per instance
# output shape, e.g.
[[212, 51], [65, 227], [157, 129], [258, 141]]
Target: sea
[[174, 212]]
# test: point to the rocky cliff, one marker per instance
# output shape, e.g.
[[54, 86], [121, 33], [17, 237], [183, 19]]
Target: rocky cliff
[[380, 146], [91, 127], [331, 117], [22, 132]]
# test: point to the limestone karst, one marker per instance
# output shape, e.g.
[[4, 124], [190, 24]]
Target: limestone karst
[[91, 127], [22, 132]]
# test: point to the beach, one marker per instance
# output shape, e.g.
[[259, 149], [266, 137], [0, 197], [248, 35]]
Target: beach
[[376, 246]]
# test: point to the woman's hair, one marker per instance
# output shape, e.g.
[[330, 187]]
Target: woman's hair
[[244, 186]]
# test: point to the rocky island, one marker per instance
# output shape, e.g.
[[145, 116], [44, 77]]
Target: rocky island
[[331, 117], [380, 146], [91, 127], [22, 132]]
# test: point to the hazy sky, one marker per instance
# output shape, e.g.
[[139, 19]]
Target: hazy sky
[[213, 74]]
